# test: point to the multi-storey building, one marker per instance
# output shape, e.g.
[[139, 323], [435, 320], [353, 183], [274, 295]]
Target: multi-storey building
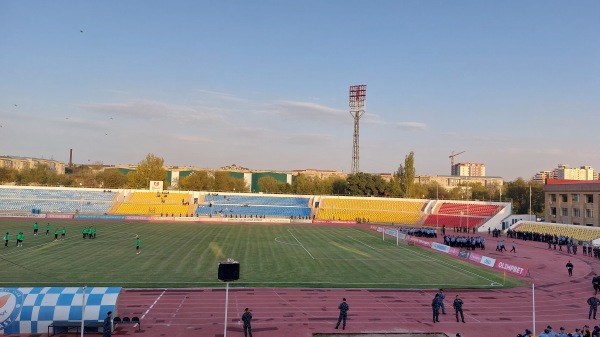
[[574, 202], [469, 169], [542, 176], [21, 163], [582, 173]]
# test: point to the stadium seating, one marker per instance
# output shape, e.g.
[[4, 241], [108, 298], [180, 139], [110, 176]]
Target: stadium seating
[[453, 221], [153, 203], [581, 233], [396, 211], [254, 205], [256, 199], [55, 200], [469, 209]]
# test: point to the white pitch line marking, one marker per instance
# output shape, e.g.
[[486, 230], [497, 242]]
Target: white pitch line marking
[[301, 245], [362, 243]]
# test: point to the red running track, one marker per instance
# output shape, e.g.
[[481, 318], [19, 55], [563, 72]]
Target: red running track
[[560, 301]]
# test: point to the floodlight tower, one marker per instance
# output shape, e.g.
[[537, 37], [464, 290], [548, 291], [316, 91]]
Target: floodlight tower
[[358, 94]]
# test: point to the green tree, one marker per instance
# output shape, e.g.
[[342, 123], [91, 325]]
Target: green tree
[[149, 169], [270, 185], [38, 175], [339, 186], [364, 184], [303, 184], [198, 181], [226, 183], [111, 178], [408, 176], [7, 175], [518, 192]]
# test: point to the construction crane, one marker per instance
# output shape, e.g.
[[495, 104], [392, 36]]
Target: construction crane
[[452, 155]]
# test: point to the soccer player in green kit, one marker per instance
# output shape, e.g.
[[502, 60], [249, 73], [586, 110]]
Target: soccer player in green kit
[[48, 228], [137, 244], [35, 228], [6, 238], [56, 234]]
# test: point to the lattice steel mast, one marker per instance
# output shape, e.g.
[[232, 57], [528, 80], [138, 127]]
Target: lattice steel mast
[[358, 94]]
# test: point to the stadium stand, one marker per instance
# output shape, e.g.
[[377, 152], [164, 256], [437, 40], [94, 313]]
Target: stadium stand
[[232, 205], [56, 200], [398, 211], [453, 221], [580, 233], [469, 209], [150, 203]]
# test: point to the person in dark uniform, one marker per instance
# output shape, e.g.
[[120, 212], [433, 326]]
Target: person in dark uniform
[[107, 325], [435, 306], [585, 332], [593, 303], [441, 298], [246, 318], [343, 313], [570, 268], [458, 303], [596, 283]]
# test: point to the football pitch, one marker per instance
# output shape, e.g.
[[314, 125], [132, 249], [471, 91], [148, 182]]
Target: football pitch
[[187, 255]]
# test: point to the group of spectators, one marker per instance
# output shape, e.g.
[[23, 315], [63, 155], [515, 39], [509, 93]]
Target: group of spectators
[[420, 232], [466, 242], [549, 332], [557, 241]]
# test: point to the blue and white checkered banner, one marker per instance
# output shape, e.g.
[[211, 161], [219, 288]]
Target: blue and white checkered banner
[[31, 310]]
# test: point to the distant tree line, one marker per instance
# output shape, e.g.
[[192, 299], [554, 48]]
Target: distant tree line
[[359, 184]]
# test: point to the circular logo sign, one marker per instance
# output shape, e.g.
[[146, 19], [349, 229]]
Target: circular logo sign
[[11, 301]]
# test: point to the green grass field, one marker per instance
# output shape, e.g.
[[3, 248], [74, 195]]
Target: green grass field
[[187, 255]]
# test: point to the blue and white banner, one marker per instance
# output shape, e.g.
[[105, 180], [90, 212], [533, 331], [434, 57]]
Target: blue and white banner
[[31, 310], [440, 247]]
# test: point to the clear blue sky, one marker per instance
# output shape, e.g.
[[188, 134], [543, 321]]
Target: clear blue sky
[[264, 84]]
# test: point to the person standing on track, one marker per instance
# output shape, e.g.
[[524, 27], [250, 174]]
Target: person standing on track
[[593, 303], [435, 306], [246, 318], [570, 268], [514, 247], [441, 298], [458, 303], [107, 325], [344, 307], [137, 244], [596, 283]]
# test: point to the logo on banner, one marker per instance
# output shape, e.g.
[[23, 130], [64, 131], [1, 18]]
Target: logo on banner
[[10, 306], [488, 261], [464, 254], [156, 185]]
